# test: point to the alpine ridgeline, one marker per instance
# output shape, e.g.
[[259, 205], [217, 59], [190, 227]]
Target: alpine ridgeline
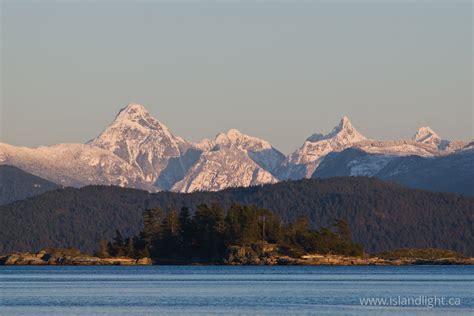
[[136, 150]]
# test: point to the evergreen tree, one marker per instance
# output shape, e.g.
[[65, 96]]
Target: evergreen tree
[[241, 225], [343, 229], [186, 232], [206, 236], [140, 246], [152, 223], [116, 247], [170, 239], [209, 232], [153, 230]]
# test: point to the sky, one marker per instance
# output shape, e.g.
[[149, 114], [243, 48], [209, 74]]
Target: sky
[[280, 71]]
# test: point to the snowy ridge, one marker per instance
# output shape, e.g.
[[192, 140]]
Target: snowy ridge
[[317, 146], [398, 148], [304, 161], [426, 135], [73, 165], [234, 159], [136, 150], [226, 167]]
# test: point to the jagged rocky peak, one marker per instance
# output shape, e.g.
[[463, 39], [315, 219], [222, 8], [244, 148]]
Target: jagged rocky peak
[[345, 122], [133, 124], [135, 116], [231, 135], [141, 140], [426, 135], [133, 110], [305, 159], [344, 133], [235, 138], [205, 144]]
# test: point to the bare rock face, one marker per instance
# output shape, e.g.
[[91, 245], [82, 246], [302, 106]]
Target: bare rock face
[[260, 253], [25, 259]]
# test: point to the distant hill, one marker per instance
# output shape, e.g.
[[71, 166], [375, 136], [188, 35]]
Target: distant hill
[[450, 173], [16, 184], [383, 216]]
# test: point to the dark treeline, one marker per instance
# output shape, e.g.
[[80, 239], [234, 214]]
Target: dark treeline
[[382, 216], [205, 236], [16, 184]]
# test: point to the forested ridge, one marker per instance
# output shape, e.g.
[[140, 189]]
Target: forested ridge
[[383, 216], [16, 184]]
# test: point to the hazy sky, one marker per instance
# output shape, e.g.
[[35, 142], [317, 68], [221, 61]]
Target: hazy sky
[[278, 71]]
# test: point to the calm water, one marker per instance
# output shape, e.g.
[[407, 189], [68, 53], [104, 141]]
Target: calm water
[[231, 290]]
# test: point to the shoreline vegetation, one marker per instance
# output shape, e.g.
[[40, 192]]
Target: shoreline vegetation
[[242, 235]]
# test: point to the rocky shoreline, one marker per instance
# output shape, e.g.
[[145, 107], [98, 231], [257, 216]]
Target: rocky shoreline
[[68, 257], [335, 260], [265, 255]]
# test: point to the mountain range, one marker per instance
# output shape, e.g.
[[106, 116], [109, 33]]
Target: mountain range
[[138, 151]]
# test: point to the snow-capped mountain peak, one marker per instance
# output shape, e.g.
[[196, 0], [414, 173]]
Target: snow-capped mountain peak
[[231, 135], [137, 150], [133, 110], [234, 133], [235, 138], [136, 116], [233, 159], [140, 139], [345, 122], [345, 133], [305, 160], [425, 135]]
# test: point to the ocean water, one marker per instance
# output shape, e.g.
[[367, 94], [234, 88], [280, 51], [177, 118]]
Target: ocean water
[[236, 290]]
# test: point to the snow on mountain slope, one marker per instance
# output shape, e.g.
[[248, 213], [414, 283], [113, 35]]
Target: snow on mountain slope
[[235, 159], [73, 165], [398, 148], [147, 144], [426, 135], [351, 162], [306, 159], [136, 150], [446, 173]]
